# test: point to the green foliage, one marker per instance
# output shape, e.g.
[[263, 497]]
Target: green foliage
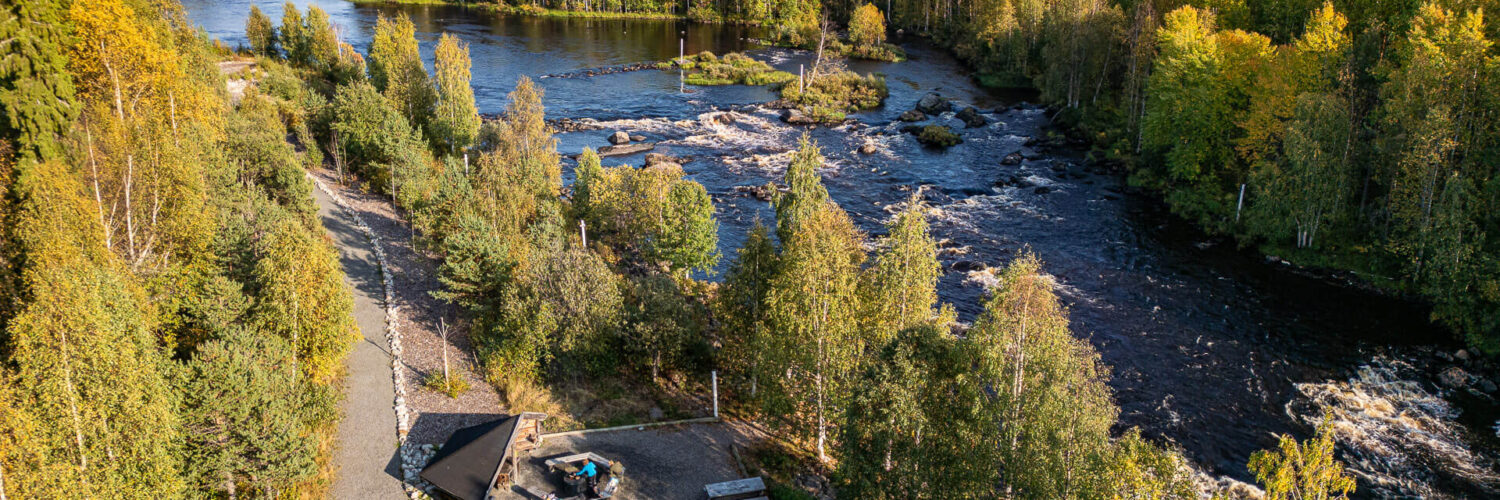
[[901, 288], [262, 33], [1051, 401], [805, 193], [455, 121], [813, 309], [374, 138], [301, 297], [451, 386], [36, 92], [689, 235], [741, 309], [938, 136], [827, 97], [662, 321], [246, 419], [911, 429], [733, 68], [294, 36], [1302, 470]]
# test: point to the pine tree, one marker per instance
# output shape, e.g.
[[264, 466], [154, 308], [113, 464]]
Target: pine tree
[[587, 177], [243, 414], [456, 120]]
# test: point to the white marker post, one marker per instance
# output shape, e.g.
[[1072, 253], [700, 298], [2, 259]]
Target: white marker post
[[715, 376]]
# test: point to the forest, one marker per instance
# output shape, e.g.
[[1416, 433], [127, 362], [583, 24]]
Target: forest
[[173, 317]]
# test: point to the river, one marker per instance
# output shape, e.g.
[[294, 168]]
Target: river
[[1213, 348]]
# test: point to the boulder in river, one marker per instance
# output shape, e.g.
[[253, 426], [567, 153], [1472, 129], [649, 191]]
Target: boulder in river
[[1042, 190], [912, 115], [1012, 159], [619, 138], [796, 117], [1454, 377], [637, 138], [933, 104], [868, 148], [971, 117], [625, 149]]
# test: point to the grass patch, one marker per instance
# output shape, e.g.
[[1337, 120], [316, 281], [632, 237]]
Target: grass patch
[[733, 69], [828, 98], [452, 387], [887, 52]]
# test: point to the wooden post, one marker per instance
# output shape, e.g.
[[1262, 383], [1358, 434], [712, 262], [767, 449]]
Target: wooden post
[[1239, 205], [443, 331], [583, 233], [715, 377], [681, 54], [801, 87], [466, 164]]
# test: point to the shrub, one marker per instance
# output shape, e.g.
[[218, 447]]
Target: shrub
[[734, 68], [452, 386], [938, 136]]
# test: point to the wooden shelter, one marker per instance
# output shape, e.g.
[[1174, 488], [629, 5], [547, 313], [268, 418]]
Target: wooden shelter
[[477, 461]]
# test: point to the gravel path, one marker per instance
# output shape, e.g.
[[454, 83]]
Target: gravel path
[[414, 276], [366, 449]]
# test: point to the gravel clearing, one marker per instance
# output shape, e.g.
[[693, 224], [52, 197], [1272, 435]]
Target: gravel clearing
[[673, 462]]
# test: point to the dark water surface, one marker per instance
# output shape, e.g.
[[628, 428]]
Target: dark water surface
[[1212, 348]]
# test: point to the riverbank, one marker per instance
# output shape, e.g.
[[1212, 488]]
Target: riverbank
[[530, 10]]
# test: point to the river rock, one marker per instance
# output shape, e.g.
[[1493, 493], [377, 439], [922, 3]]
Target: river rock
[[971, 117], [868, 148], [933, 104], [1042, 190], [966, 266], [625, 149], [1012, 159], [1462, 355], [619, 138], [1454, 377], [637, 138], [796, 117], [912, 116], [762, 193]]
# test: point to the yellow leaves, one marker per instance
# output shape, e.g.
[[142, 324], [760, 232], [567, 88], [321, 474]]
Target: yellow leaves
[[119, 55], [1325, 31]]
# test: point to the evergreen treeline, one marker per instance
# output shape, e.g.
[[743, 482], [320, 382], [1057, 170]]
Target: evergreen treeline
[[174, 319]]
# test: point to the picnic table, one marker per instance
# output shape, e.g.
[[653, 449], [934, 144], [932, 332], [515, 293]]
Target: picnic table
[[751, 488]]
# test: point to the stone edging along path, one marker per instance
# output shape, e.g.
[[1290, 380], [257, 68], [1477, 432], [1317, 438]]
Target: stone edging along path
[[392, 335]]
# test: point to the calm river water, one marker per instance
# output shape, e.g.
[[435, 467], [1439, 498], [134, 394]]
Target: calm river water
[[1212, 348]]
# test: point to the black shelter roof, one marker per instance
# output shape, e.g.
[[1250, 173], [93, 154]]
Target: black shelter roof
[[466, 463]]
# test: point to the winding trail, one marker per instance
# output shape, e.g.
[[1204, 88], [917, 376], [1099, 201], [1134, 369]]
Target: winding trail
[[367, 441]]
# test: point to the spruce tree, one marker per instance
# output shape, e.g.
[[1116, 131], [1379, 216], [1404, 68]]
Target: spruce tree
[[688, 237]]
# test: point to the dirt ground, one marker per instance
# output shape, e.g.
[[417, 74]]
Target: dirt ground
[[672, 462]]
